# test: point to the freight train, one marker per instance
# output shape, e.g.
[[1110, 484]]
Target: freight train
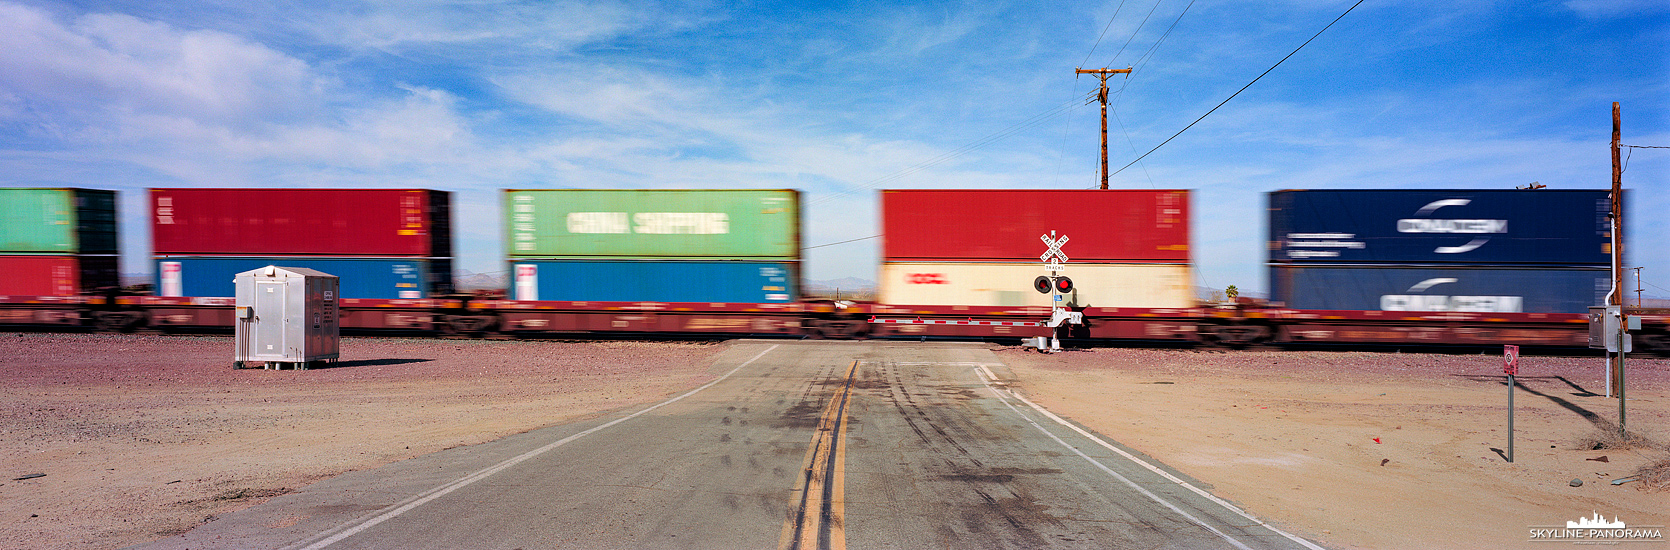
[[1405, 268]]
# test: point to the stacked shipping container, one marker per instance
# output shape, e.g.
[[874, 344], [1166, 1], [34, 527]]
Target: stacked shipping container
[[57, 242], [717, 246], [982, 247], [381, 243], [1505, 251]]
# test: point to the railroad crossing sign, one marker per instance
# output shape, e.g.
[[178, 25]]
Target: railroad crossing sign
[[1053, 258]]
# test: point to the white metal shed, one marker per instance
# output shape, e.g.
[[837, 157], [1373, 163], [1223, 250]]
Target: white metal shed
[[286, 316]]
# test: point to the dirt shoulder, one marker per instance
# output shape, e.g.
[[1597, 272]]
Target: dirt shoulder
[[142, 437], [1373, 450]]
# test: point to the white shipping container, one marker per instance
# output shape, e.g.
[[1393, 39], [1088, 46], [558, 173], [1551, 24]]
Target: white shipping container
[[1010, 284]]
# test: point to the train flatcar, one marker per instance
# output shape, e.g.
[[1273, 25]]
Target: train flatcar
[[1394, 280]]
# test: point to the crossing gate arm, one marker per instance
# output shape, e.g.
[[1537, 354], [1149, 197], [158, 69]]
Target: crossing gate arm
[[969, 321]]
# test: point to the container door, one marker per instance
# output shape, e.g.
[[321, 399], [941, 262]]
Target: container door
[[171, 279], [270, 319], [527, 282]]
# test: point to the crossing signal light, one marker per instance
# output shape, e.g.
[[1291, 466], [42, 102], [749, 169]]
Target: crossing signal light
[[1045, 284], [1063, 285]]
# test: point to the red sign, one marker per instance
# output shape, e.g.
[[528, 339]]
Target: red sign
[[926, 279], [1510, 360]]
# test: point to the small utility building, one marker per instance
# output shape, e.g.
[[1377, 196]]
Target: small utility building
[[286, 316]]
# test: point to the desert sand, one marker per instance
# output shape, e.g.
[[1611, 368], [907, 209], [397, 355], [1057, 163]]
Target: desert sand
[[141, 437]]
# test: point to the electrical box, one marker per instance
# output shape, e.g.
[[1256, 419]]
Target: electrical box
[[286, 316], [1605, 322]]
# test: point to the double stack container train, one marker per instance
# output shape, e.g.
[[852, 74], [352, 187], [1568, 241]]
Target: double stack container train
[[584, 245], [1383, 267], [983, 247], [1440, 250], [57, 242], [384, 243]]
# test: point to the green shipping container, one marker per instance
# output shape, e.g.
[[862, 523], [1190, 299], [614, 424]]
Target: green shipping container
[[57, 221], [588, 223]]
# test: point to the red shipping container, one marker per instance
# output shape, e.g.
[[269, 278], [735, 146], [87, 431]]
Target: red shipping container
[[1129, 226], [55, 275], [339, 222]]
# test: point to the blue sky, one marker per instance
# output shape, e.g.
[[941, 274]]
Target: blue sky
[[837, 100]]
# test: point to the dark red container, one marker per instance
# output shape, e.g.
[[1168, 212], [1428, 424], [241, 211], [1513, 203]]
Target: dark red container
[[56, 275], [1127, 226], [340, 222]]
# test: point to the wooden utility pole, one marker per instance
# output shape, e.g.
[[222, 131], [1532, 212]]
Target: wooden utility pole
[[1102, 95], [1616, 297]]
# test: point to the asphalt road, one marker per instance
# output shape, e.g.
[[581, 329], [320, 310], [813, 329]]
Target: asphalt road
[[801, 445]]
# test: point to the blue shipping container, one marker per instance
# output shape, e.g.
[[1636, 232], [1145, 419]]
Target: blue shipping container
[[1501, 290], [655, 281], [367, 278], [1549, 227]]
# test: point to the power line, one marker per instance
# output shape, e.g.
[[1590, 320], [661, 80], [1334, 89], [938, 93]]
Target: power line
[[1163, 36], [1243, 88], [1104, 33], [1646, 146], [960, 151], [842, 242], [1134, 33]]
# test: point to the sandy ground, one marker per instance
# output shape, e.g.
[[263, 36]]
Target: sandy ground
[[1374, 450], [141, 437]]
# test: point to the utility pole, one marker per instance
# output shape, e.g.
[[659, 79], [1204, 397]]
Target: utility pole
[[1638, 288], [1616, 297], [1102, 95]]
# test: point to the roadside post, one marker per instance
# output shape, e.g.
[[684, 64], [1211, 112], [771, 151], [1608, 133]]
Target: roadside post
[[1510, 367]]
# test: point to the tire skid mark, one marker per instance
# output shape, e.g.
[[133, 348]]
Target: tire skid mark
[[1017, 511]]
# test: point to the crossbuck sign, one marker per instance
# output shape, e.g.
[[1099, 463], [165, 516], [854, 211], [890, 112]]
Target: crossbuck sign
[[1053, 258]]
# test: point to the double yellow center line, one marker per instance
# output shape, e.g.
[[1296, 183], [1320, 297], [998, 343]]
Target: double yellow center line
[[820, 521]]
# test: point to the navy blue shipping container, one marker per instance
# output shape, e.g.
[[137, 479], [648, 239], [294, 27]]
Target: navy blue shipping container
[[1432, 227], [1502, 290], [366, 278], [655, 281]]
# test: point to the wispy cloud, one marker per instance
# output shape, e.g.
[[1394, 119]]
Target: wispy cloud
[[836, 100]]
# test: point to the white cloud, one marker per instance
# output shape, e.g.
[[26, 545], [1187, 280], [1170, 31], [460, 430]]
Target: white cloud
[[205, 106], [438, 25], [104, 63], [1603, 9]]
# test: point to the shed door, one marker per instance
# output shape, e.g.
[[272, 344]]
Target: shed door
[[270, 319]]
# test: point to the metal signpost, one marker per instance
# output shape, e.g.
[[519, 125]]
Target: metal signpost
[[1510, 367], [1053, 257]]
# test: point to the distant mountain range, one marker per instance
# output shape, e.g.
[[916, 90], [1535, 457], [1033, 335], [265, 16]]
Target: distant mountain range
[[844, 283]]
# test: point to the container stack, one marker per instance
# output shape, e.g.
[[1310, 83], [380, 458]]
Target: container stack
[[715, 246], [382, 243], [1126, 248], [1501, 251], [57, 242]]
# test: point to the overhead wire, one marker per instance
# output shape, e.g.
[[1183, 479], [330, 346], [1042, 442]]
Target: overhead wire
[[840, 242], [1104, 33], [1135, 66], [1243, 88], [1068, 127], [1134, 32], [1150, 52], [982, 142]]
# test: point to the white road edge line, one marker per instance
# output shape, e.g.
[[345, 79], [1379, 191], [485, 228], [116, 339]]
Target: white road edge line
[[354, 527], [990, 378]]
